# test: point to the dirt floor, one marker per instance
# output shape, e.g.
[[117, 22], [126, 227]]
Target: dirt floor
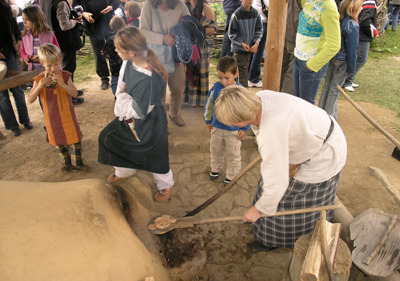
[[30, 158]]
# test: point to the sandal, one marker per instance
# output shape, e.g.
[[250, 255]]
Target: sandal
[[113, 178], [163, 194], [67, 168], [82, 168]]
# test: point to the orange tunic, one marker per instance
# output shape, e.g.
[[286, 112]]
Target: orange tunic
[[62, 127]]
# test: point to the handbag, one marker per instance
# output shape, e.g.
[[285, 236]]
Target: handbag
[[183, 47], [164, 52]]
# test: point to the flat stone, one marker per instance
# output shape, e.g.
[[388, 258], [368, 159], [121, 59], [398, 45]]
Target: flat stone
[[199, 192], [238, 211], [175, 159], [184, 146], [249, 142], [211, 188], [199, 167], [225, 203], [192, 187], [195, 156], [202, 178], [184, 177], [242, 198], [183, 194], [252, 181], [175, 168], [242, 183]]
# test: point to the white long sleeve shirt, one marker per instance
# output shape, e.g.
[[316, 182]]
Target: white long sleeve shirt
[[292, 131]]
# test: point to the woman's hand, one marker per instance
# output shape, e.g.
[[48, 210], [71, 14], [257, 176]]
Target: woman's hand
[[2, 56], [18, 46], [169, 39], [107, 10], [88, 17], [251, 215], [28, 59]]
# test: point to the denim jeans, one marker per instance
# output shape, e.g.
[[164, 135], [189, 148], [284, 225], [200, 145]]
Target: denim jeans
[[114, 83], [6, 109], [395, 16], [255, 65], [335, 75], [226, 43], [362, 57], [306, 82]]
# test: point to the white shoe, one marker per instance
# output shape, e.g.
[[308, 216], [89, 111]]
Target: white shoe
[[355, 85], [349, 88], [257, 85]]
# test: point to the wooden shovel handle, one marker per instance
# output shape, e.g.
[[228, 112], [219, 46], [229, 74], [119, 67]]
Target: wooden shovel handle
[[370, 120], [281, 213]]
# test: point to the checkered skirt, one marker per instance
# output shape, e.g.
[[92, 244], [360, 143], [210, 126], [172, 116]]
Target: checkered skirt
[[283, 231]]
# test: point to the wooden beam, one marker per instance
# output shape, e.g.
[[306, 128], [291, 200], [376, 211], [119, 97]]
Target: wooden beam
[[275, 45], [20, 79]]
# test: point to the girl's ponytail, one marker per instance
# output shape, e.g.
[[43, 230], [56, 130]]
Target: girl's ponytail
[[156, 65]]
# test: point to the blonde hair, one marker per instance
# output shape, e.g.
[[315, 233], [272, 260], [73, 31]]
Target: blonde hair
[[133, 9], [49, 53], [236, 104], [133, 39], [35, 15], [349, 7], [117, 23]]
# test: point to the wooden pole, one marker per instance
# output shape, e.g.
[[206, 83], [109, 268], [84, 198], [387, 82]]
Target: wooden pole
[[20, 79], [275, 44]]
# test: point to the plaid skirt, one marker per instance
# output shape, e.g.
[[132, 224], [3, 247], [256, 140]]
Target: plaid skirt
[[283, 231]]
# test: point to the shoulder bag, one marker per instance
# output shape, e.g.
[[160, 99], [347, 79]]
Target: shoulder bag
[[164, 52]]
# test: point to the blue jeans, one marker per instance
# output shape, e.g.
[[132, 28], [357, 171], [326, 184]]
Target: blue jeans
[[335, 75], [362, 57], [6, 109], [114, 83], [226, 43], [255, 65], [306, 82]]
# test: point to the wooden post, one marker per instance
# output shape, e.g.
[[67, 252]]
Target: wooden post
[[275, 44], [20, 79]]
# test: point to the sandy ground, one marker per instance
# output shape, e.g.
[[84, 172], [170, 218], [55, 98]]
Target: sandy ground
[[29, 158]]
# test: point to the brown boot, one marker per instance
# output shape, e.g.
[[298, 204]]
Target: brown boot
[[163, 194]]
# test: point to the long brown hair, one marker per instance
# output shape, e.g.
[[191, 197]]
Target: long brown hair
[[36, 16], [171, 4], [349, 7], [133, 39]]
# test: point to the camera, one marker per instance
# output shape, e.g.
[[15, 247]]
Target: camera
[[77, 11]]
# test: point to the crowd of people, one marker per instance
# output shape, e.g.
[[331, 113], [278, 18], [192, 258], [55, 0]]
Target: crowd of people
[[302, 146]]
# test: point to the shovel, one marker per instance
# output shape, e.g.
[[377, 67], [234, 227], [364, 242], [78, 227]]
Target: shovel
[[186, 222]]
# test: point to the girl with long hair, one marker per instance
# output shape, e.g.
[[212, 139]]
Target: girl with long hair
[[344, 62], [36, 33], [138, 138]]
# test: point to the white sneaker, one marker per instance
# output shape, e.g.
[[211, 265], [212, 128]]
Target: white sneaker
[[349, 88], [257, 85], [355, 85]]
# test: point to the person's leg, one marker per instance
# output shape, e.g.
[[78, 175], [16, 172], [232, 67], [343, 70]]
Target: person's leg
[[64, 154], [362, 57], [328, 80], [120, 173], [243, 66], [395, 16], [389, 12], [76, 157], [114, 83], [287, 72], [69, 62], [101, 64], [165, 183], [338, 75], [176, 84], [296, 78], [233, 157], [255, 65], [308, 81], [217, 149], [6, 109], [226, 43]]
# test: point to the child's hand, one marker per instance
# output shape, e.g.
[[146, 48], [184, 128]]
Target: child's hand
[[246, 47], [254, 48], [241, 134], [209, 128], [45, 81], [58, 79]]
